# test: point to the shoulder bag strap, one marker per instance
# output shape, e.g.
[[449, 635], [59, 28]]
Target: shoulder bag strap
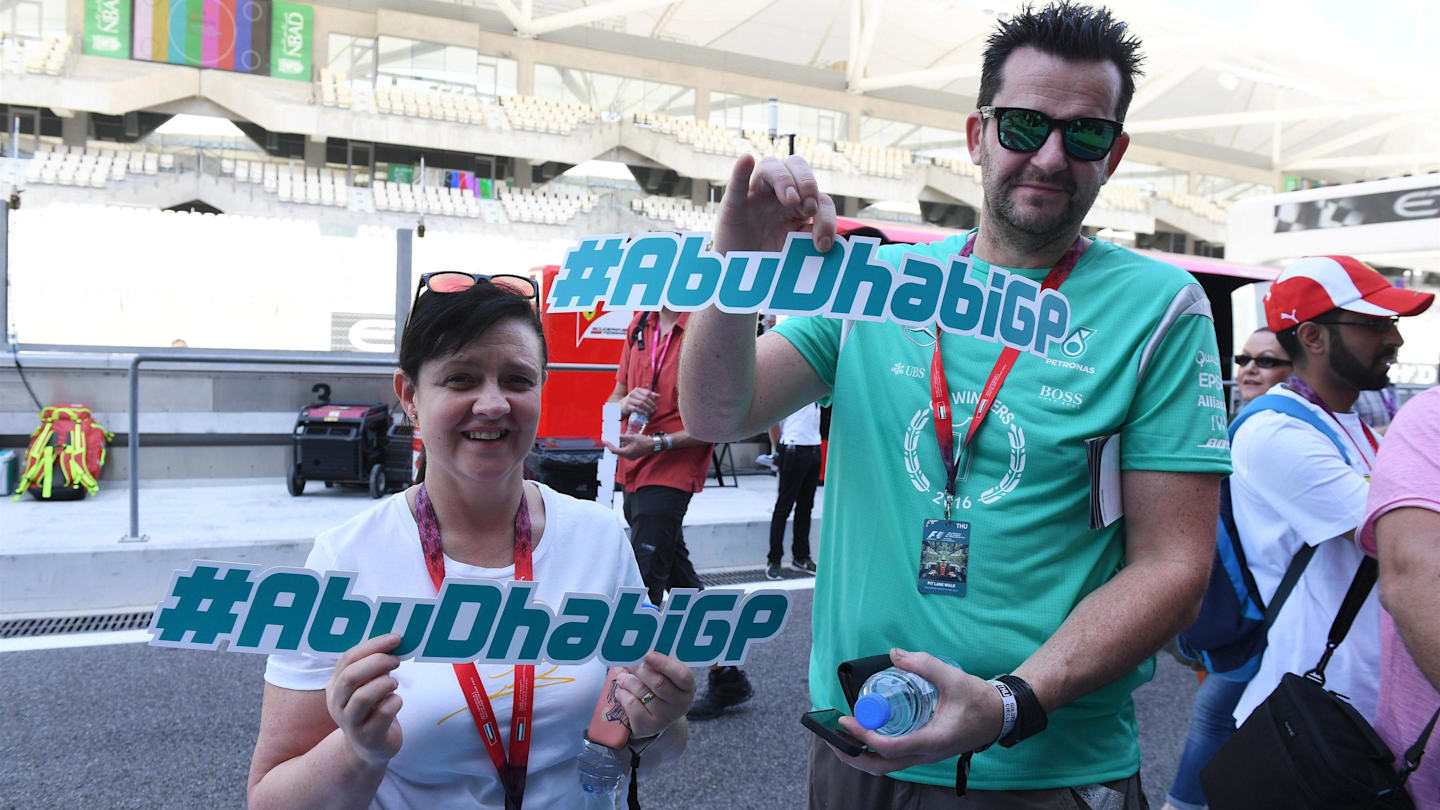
[[1355, 597], [1412, 756], [1287, 583]]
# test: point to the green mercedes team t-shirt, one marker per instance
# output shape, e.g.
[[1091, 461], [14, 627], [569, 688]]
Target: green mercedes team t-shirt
[[1137, 358]]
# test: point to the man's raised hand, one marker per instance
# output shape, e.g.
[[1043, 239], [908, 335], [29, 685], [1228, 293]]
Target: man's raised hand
[[767, 201]]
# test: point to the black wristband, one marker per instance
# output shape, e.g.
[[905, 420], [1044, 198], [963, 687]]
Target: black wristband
[[1030, 715]]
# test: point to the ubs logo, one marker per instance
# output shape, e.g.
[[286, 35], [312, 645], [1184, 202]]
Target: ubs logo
[[905, 370]]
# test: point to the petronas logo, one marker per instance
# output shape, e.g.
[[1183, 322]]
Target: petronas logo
[[1074, 346]]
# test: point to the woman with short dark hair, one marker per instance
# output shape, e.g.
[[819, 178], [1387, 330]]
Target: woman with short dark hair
[[374, 730]]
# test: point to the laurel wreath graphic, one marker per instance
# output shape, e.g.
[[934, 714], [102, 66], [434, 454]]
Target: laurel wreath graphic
[[921, 482]]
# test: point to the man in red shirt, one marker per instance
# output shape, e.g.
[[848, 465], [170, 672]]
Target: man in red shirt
[[661, 468]]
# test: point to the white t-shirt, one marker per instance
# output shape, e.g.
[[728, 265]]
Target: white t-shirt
[[1290, 486], [442, 762], [802, 427]]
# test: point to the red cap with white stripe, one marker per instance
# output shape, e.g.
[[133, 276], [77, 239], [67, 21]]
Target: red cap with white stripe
[[1315, 285]]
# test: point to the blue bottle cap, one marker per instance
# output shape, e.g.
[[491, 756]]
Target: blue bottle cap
[[872, 711]]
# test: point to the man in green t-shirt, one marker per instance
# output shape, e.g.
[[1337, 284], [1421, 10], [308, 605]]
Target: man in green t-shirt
[[1010, 571]]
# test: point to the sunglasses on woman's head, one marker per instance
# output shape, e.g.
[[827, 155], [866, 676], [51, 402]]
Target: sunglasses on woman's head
[[1023, 130], [1242, 360], [450, 281]]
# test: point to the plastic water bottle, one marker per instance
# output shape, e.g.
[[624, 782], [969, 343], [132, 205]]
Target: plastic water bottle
[[893, 702], [600, 774], [637, 422]]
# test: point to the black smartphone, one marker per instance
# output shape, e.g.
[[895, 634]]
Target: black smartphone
[[825, 723]]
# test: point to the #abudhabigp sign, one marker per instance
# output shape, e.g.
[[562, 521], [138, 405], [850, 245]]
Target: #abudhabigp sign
[[677, 272], [284, 610]]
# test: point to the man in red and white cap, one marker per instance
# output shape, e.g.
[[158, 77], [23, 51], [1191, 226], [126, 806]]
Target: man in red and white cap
[[1294, 486]]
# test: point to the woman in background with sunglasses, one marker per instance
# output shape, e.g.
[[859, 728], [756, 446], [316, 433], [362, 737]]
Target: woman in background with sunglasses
[[373, 730], [1261, 364]]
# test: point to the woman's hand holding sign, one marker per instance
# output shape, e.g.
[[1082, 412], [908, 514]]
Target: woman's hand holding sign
[[362, 700], [779, 199], [656, 693]]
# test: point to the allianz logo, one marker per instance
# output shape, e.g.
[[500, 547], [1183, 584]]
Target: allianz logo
[[1068, 399], [905, 370]]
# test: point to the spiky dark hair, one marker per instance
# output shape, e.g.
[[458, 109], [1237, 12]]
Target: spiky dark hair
[[1069, 31]]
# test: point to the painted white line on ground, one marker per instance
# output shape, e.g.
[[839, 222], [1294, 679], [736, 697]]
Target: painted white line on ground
[[803, 584], [63, 640]]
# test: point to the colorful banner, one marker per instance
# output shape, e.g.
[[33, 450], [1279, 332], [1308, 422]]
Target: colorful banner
[[294, 31], [223, 34], [107, 28]]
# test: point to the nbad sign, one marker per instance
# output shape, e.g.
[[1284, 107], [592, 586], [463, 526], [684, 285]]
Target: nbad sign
[[293, 32], [107, 28]]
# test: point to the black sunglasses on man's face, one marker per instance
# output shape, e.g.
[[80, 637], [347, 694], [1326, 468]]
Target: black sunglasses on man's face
[[1380, 326], [1024, 130]]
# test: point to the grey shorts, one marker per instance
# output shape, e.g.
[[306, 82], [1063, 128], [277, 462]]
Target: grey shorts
[[837, 786]]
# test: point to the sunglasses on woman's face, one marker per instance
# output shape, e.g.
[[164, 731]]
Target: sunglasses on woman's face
[[450, 281], [1242, 360], [1023, 130]]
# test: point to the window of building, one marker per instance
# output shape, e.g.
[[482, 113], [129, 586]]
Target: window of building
[[353, 55], [428, 62], [745, 112], [620, 95], [922, 140]]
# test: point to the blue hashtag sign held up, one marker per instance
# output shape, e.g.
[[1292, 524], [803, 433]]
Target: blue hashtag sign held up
[[683, 273], [588, 274], [297, 610], [201, 605]]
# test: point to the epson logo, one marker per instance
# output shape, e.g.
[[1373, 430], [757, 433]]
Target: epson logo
[[1069, 399]]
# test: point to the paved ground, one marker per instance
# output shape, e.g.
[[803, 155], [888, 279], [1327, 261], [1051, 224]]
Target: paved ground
[[135, 726]]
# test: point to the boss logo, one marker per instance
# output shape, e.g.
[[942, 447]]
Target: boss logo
[[1069, 399]]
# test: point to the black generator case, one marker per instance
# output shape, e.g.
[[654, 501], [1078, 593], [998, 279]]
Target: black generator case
[[343, 444], [567, 465], [399, 471]]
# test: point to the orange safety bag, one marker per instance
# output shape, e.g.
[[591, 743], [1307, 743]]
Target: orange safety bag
[[69, 445]]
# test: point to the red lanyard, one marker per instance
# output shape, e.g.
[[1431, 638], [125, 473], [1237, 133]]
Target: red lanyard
[[654, 366], [1304, 390], [512, 771], [940, 391]]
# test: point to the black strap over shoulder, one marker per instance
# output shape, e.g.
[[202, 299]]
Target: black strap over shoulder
[[1354, 598], [1287, 583], [1412, 755]]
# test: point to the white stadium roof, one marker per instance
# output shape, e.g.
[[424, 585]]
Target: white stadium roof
[[1301, 87]]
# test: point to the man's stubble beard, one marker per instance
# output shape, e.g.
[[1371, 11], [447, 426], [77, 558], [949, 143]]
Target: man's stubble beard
[[1012, 223]]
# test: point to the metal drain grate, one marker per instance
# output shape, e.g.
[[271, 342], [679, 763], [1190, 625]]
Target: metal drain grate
[[748, 575], [56, 625]]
